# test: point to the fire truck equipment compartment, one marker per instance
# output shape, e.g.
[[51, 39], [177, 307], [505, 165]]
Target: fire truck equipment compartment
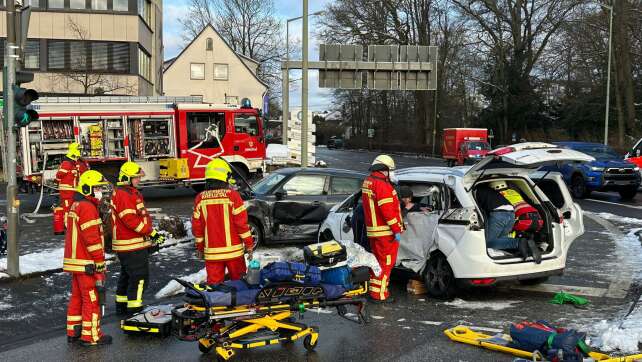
[[174, 168]]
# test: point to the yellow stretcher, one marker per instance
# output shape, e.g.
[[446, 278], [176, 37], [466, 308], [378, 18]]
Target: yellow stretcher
[[500, 342], [225, 329]]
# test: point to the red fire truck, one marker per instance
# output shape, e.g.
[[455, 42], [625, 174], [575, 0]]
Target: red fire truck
[[172, 138], [465, 145]]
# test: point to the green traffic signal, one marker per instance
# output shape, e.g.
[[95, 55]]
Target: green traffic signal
[[23, 98]]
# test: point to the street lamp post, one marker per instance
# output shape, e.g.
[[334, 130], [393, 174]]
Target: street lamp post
[[608, 75]]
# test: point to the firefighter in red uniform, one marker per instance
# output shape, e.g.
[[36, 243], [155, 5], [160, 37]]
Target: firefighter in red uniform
[[67, 177], [383, 223], [132, 236], [219, 225], [85, 260]]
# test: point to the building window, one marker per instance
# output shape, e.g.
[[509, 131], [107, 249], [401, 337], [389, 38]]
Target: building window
[[220, 71], [100, 56], [77, 4], [120, 57], [144, 64], [209, 44], [56, 54], [121, 5], [145, 10], [99, 4], [57, 4], [32, 54], [78, 55], [197, 71], [32, 3]]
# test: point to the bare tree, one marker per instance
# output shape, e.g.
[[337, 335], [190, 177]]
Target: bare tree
[[249, 26], [83, 78]]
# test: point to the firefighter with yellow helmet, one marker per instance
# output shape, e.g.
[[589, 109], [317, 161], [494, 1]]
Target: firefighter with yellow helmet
[[220, 226], [132, 236], [84, 258], [70, 170]]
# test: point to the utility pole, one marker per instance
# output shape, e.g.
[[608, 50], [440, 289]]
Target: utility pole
[[304, 95], [13, 204], [608, 75]]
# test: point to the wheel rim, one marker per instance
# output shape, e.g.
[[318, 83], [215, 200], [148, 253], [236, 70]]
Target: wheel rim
[[255, 235], [578, 187], [439, 275]]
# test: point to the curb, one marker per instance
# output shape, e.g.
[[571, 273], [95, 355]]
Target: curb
[[58, 270]]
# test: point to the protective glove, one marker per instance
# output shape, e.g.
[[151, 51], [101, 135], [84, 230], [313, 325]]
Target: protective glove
[[250, 254], [398, 237], [156, 238], [100, 268]]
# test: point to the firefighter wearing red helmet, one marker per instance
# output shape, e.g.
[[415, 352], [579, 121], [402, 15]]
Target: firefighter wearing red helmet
[[220, 226], [132, 236], [383, 223], [67, 177], [84, 258]]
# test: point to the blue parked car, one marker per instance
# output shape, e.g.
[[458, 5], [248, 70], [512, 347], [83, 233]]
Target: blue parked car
[[609, 171]]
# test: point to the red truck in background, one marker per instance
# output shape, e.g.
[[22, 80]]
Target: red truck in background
[[635, 154], [465, 145]]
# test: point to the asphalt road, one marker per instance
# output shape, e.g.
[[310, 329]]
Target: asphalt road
[[32, 311]]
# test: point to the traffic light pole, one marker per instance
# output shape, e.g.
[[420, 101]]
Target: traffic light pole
[[13, 204]]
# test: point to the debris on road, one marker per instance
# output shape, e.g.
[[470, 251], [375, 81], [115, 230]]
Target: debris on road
[[562, 298], [474, 305], [416, 287], [173, 225]]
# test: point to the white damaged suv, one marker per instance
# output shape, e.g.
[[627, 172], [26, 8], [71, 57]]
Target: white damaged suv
[[447, 245]]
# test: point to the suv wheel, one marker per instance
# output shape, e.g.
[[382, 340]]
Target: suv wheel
[[628, 193], [439, 277], [257, 233], [578, 187]]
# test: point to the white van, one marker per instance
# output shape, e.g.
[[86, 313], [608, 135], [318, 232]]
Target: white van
[[447, 245]]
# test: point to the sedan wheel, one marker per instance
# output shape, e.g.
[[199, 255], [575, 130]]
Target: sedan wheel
[[257, 233], [578, 187], [439, 278]]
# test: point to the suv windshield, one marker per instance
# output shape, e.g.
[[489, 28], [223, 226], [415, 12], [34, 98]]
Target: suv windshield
[[265, 185], [599, 151], [478, 146]]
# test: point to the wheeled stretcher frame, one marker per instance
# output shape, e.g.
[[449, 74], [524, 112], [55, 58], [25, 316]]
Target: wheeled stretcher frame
[[225, 329]]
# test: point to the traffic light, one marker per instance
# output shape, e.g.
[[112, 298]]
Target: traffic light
[[22, 99]]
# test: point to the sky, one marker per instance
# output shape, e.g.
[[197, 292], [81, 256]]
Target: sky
[[318, 99]]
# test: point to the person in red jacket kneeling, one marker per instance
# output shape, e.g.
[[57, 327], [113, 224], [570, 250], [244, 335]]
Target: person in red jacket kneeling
[[220, 227]]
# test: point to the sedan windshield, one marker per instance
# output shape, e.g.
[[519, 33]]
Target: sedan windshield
[[265, 185]]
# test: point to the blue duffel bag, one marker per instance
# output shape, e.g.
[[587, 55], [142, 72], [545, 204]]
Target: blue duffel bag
[[337, 276], [228, 294], [281, 271]]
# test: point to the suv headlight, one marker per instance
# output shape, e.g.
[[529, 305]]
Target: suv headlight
[[597, 169], [636, 169]]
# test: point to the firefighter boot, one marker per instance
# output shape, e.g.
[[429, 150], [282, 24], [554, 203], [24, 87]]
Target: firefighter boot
[[522, 248], [76, 336], [388, 300], [105, 339]]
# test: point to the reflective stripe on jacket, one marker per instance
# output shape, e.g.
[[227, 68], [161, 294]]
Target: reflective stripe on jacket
[[84, 240], [219, 225], [380, 206], [130, 220]]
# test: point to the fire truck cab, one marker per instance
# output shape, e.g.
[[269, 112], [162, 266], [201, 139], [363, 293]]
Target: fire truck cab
[[172, 138]]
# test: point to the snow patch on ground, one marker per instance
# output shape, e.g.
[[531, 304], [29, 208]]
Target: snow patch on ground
[[37, 262], [619, 219], [376, 317], [497, 305], [321, 310], [5, 306], [610, 337], [431, 323]]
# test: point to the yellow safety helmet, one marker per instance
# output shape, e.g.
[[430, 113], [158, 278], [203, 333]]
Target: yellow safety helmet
[[74, 151], [218, 169], [128, 171], [383, 163], [89, 180]]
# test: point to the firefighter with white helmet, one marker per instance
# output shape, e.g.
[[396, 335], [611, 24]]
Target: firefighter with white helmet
[[70, 170], [384, 224], [84, 258], [220, 226], [132, 236]]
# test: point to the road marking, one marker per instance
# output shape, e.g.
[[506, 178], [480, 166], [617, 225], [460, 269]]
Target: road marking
[[576, 290], [622, 279], [615, 203]]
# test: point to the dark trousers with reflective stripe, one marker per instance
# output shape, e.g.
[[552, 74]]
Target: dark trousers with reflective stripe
[[134, 277]]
